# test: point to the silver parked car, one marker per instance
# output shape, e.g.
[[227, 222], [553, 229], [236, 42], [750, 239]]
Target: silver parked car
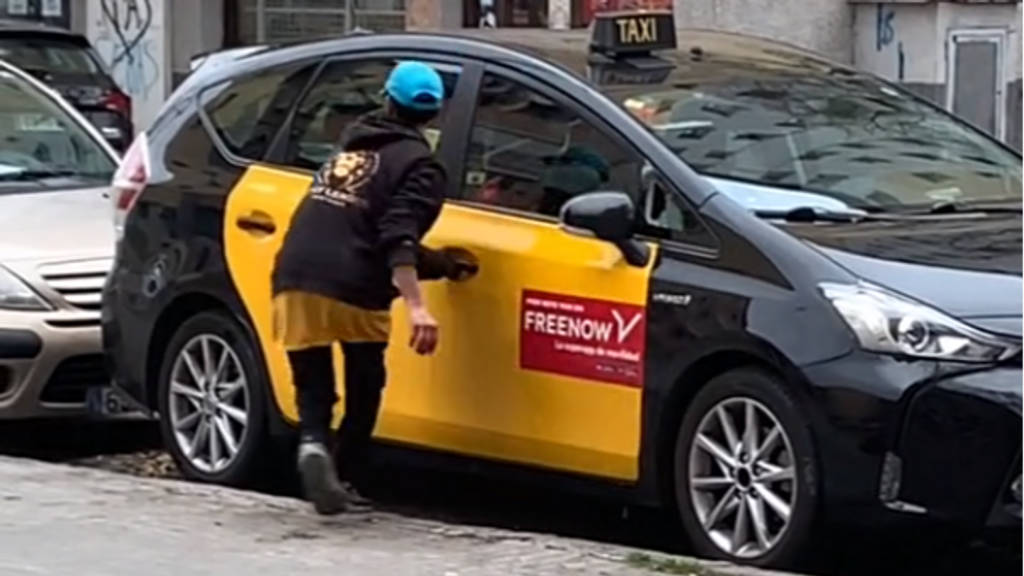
[[56, 248]]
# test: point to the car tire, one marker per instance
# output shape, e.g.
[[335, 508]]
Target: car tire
[[757, 484], [215, 341]]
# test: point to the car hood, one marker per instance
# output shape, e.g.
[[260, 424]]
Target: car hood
[[59, 224], [968, 268]]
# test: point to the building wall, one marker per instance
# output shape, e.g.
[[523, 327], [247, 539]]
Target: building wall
[[148, 45], [824, 26], [197, 26], [911, 44]]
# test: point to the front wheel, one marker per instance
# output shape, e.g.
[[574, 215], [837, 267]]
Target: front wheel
[[212, 402], [746, 471]]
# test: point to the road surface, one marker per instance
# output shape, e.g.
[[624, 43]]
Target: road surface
[[59, 520]]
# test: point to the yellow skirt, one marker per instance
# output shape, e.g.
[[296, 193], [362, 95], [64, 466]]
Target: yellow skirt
[[303, 320]]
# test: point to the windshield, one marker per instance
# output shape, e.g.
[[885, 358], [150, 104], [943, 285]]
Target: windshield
[[49, 55], [772, 118], [43, 146]]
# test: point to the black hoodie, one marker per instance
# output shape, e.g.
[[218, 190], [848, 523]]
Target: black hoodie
[[367, 211]]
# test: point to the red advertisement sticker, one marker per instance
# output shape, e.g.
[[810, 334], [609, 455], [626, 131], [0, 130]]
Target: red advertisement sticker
[[582, 337]]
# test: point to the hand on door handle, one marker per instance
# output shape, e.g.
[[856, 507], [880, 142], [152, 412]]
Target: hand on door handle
[[463, 264], [257, 221]]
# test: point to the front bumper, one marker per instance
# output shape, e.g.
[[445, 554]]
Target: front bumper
[[960, 445], [904, 440], [47, 363]]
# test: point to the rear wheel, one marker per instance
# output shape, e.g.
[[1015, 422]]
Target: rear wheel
[[746, 471], [212, 402]]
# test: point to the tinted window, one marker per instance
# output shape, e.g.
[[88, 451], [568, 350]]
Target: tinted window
[[529, 152], [53, 55], [41, 145], [344, 91], [766, 120], [247, 112]]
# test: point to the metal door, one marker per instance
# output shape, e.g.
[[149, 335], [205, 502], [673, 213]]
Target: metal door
[[975, 77]]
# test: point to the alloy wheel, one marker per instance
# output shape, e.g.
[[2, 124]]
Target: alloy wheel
[[742, 480], [209, 403]]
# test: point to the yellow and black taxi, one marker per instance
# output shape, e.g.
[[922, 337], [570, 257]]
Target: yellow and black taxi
[[717, 275]]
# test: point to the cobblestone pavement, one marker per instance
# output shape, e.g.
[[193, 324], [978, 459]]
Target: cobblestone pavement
[[58, 520]]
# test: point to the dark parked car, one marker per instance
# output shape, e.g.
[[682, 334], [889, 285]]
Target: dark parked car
[[718, 275], [67, 62]]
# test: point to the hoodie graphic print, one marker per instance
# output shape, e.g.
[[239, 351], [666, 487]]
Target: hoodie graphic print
[[367, 211]]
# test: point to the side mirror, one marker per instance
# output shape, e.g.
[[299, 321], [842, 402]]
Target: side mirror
[[608, 216]]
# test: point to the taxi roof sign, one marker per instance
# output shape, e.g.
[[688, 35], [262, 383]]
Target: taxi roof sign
[[619, 34]]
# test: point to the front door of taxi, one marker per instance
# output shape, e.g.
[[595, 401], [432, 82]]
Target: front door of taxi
[[541, 357]]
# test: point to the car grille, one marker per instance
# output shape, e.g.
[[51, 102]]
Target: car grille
[[80, 284], [73, 377]]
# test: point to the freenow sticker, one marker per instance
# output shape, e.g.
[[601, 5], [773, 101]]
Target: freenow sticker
[[582, 337]]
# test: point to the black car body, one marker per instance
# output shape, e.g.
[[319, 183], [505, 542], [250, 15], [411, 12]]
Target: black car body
[[67, 62], [819, 341]]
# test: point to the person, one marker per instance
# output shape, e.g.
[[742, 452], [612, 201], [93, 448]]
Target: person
[[570, 173], [574, 171], [488, 19], [354, 245]]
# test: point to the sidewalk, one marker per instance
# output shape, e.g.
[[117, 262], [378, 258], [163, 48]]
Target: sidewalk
[[63, 521]]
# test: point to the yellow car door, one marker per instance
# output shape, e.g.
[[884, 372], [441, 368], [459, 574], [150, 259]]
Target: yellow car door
[[261, 204], [541, 356], [257, 215], [522, 373], [258, 211]]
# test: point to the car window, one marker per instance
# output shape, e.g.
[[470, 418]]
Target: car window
[[52, 55], [669, 216], [529, 152], [344, 91], [247, 112], [42, 145]]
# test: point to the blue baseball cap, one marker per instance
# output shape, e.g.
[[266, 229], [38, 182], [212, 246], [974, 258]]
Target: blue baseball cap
[[415, 85]]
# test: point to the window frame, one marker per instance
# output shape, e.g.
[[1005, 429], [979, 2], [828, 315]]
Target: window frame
[[552, 91], [206, 95], [676, 238], [548, 90], [451, 126]]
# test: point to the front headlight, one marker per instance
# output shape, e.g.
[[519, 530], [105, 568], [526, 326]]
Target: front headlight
[[892, 324], [16, 295]]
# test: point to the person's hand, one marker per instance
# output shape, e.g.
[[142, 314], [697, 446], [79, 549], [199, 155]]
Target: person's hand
[[462, 264], [424, 331]]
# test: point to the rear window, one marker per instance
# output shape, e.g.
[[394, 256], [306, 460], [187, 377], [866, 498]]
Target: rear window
[[53, 55], [42, 146], [246, 112]]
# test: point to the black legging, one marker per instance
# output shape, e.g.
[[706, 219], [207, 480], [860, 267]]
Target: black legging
[[365, 376]]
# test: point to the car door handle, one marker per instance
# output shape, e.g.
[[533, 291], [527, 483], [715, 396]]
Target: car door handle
[[257, 221]]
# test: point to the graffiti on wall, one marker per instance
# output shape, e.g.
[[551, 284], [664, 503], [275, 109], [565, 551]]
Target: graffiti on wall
[[126, 41], [886, 35]]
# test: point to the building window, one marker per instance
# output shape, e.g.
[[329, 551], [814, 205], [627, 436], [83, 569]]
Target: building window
[[274, 21], [506, 13], [53, 12]]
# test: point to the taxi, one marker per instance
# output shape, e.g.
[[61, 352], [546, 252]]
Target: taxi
[[718, 275]]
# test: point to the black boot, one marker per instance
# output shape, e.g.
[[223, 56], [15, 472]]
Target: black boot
[[320, 481]]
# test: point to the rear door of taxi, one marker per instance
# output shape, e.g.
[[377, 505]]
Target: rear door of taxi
[[260, 206]]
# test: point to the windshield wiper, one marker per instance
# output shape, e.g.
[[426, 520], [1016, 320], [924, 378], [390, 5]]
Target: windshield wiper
[[812, 214], [28, 175], [808, 214], [952, 207]]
